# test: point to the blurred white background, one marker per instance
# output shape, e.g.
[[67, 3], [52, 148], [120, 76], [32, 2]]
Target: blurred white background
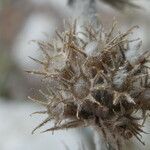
[[22, 21]]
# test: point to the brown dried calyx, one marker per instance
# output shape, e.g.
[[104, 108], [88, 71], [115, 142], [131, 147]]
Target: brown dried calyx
[[91, 81]]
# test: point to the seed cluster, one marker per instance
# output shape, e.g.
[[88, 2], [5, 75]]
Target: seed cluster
[[92, 82]]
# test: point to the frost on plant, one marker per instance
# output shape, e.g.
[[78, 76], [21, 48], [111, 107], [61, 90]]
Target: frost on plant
[[92, 81]]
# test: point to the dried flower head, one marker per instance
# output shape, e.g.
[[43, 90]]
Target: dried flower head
[[92, 81]]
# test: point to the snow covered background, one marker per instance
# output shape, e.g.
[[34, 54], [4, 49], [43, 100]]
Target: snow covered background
[[15, 121], [16, 126]]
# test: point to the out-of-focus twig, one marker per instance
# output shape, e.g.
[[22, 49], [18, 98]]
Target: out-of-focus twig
[[120, 4]]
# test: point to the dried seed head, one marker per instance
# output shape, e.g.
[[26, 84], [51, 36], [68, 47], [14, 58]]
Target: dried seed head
[[95, 85]]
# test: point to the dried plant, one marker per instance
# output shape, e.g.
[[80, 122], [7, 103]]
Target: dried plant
[[95, 79]]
